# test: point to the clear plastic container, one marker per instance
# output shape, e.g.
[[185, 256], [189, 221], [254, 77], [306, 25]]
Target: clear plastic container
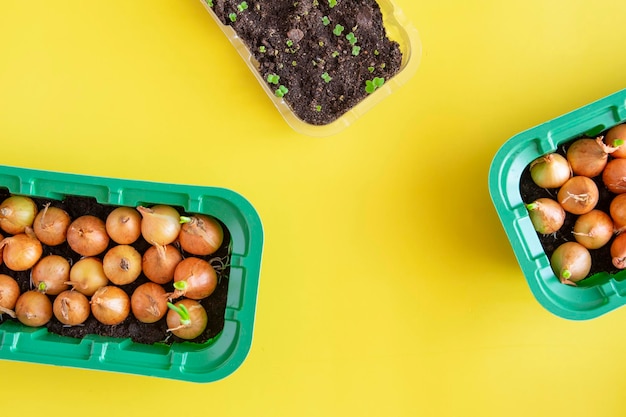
[[194, 362], [398, 29], [577, 303]]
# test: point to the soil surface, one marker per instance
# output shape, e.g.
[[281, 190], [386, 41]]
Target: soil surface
[[139, 332], [293, 39], [600, 258]]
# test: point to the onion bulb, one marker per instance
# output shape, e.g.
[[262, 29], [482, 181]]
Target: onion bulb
[[149, 302], [50, 274], [87, 235], [616, 136], [194, 278], [617, 210], [33, 308], [110, 305], [594, 229], [17, 213], [579, 195], [159, 263], [9, 293], [588, 157], [614, 175], [550, 171], [186, 319], [21, 252], [160, 224], [87, 276], [571, 262], [200, 235], [50, 225], [122, 264], [71, 308], [546, 215], [123, 225], [618, 251]]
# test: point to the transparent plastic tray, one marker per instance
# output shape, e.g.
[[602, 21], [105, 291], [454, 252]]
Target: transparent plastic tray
[[398, 28]]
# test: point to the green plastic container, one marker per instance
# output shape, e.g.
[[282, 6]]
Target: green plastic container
[[575, 303], [186, 361]]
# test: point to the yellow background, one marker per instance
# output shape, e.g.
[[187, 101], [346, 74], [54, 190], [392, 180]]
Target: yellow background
[[388, 286]]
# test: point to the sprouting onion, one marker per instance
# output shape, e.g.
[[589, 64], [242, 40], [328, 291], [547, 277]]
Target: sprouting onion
[[550, 171]]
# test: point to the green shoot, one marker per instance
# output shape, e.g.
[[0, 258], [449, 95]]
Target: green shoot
[[325, 20], [273, 78], [335, 54], [356, 49], [209, 3], [242, 6], [370, 69], [326, 77], [338, 29], [185, 318], [351, 38], [262, 49], [281, 91], [332, 3], [233, 17], [374, 84], [294, 64], [376, 52], [318, 108], [289, 43]]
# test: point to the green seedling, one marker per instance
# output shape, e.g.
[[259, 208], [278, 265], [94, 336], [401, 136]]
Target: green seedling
[[338, 29], [185, 317], [281, 91], [356, 49], [325, 20], [332, 3], [371, 69], [326, 77], [376, 52], [351, 38], [233, 17], [262, 49], [273, 78], [289, 43], [242, 6], [374, 84], [335, 54], [318, 108], [209, 3]]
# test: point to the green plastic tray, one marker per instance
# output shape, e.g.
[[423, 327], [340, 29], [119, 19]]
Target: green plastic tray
[[575, 303], [186, 361]]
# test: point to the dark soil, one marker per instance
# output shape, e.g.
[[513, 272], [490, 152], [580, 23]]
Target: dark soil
[[600, 258], [289, 39], [215, 304]]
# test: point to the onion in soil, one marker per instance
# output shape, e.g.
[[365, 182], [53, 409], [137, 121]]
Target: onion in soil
[[546, 215], [50, 225], [87, 276], [186, 319], [17, 213], [579, 195], [21, 252], [87, 235], [123, 225], [159, 263], [110, 305], [550, 171], [33, 308], [122, 264], [617, 210], [616, 136], [594, 229], [614, 176], [200, 235], [71, 308], [571, 262], [194, 278], [618, 251], [50, 274], [588, 157], [160, 224], [149, 302], [9, 293]]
